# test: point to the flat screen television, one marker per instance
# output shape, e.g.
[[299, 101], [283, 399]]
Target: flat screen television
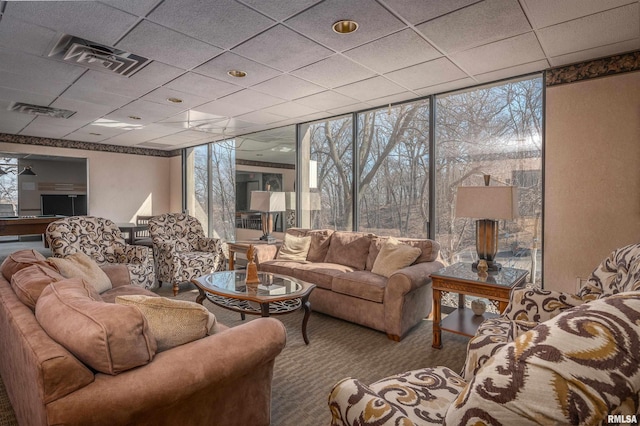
[[64, 204]]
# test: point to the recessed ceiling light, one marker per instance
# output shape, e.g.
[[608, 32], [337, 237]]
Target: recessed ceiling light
[[345, 26], [237, 73], [134, 117], [175, 100]]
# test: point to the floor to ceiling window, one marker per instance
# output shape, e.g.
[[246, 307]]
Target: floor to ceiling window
[[393, 183], [8, 186], [326, 167], [494, 130]]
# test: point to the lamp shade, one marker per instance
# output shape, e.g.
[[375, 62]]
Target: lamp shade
[[487, 202], [267, 201]]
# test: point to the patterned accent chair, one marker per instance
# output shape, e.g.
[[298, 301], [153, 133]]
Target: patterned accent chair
[[619, 272], [182, 251], [101, 240], [575, 368]]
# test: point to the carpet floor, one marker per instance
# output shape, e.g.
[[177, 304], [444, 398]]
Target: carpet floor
[[305, 374]]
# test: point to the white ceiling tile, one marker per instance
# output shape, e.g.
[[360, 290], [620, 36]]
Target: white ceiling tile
[[45, 130], [280, 9], [229, 24], [200, 85], [386, 100], [290, 110], [24, 36], [85, 111], [79, 18], [511, 71], [478, 24], [137, 7], [13, 122], [446, 87], [604, 28], [427, 74], [374, 22], [20, 83], [38, 71], [147, 111], [544, 13], [168, 46], [260, 117], [598, 52], [162, 94], [251, 99], [224, 109], [95, 96], [501, 54], [416, 11], [219, 67], [288, 87], [395, 51], [283, 49], [83, 135], [326, 100], [11, 95], [333, 72], [370, 89], [351, 108], [154, 75], [188, 119]]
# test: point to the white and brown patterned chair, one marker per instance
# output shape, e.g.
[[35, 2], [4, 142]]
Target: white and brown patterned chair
[[576, 368], [182, 251], [101, 240], [619, 272]]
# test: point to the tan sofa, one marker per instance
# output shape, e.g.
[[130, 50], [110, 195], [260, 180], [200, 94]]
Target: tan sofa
[[340, 265], [222, 379]]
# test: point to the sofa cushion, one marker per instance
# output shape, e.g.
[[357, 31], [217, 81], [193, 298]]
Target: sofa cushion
[[294, 248], [430, 249], [79, 265], [393, 256], [172, 322], [585, 360], [349, 248], [284, 267], [20, 260], [320, 274], [29, 282], [109, 296], [362, 284], [108, 338], [320, 241]]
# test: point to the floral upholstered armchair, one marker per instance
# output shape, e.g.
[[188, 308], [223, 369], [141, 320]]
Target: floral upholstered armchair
[[619, 272], [101, 240], [182, 251], [576, 368]]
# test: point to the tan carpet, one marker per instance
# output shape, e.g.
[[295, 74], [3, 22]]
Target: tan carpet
[[304, 375]]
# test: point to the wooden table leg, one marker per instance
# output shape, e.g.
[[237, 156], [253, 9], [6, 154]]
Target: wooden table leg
[[232, 254], [502, 306], [201, 296], [437, 316], [306, 305]]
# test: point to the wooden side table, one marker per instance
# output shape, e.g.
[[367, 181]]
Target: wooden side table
[[460, 278]]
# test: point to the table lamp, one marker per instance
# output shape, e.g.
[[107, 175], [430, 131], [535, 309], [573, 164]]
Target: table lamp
[[487, 204], [267, 202]]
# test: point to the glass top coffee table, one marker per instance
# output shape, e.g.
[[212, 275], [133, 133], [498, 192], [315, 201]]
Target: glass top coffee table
[[273, 295]]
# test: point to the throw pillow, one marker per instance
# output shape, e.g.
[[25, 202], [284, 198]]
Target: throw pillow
[[349, 249], [294, 248], [172, 322], [107, 337], [393, 256], [79, 265], [29, 282], [20, 260]]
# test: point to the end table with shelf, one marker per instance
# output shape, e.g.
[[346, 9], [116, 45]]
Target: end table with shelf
[[460, 278]]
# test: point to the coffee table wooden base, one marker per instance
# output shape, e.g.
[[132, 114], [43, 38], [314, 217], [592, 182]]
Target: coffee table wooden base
[[264, 309]]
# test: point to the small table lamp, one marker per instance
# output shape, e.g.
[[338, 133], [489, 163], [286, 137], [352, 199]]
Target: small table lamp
[[487, 203], [267, 202]]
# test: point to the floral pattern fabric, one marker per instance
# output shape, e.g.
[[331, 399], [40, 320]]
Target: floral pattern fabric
[[101, 240], [182, 251], [619, 272]]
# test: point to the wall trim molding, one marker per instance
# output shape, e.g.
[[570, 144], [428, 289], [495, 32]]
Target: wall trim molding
[[618, 64], [88, 146]]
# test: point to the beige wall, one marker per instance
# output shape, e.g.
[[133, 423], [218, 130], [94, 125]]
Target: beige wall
[[122, 186], [592, 175]]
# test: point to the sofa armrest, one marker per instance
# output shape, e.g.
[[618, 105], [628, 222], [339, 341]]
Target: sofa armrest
[[350, 399], [225, 377], [530, 304], [118, 274], [406, 279], [265, 252]]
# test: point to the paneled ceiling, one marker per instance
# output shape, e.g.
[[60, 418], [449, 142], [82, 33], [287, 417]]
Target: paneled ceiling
[[298, 69]]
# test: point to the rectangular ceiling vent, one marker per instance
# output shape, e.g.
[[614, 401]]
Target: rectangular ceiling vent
[[96, 56], [40, 110]]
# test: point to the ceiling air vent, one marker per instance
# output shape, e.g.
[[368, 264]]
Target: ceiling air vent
[[40, 110], [96, 56]]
